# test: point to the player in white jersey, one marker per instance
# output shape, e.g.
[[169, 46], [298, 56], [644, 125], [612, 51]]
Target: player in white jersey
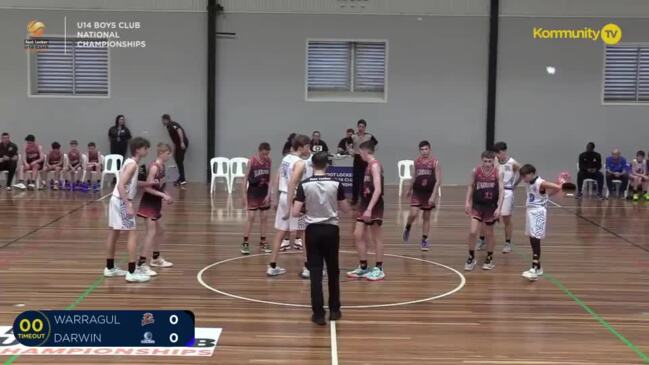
[[289, 176], [509, 171], [538, 192], [121, 214]]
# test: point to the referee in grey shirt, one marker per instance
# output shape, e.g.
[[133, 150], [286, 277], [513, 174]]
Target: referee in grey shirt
[[319, 196], [359, 165]]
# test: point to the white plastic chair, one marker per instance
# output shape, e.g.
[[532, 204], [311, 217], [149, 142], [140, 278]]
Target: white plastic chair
[[220, 167], [405, 172], [238, 167], [111, 164], [618, 186]]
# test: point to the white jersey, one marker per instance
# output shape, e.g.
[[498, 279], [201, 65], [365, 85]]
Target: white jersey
[[131, 187], [507, 171], [536, 199], [308, 168], [286, 171]]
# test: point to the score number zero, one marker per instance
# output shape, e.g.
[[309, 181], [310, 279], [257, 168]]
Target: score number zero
[[173, 337]]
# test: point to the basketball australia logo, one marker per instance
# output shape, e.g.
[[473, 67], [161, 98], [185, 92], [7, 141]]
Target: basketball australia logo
[[35, 30], [610, 33]]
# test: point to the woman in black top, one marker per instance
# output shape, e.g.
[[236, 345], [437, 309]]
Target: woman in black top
[[119, 135]]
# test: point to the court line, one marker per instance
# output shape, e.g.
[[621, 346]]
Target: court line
[[55, 220], [334, 343]]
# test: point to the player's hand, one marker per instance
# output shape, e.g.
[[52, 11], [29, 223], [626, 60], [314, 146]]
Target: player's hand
[[129, 209], [167, 198], [431, 202], [5, 158], [285, 217], [367, 215], [497, 214], [182, 146], [467, 209], [266, 200]]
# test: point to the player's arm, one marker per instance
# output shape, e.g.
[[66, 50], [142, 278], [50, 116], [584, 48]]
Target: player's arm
[[501, 193], [41, 156], [376, 177], [124, 177], [275, 183], [269, 196], [342, 200], [296, 210], [469, 194], [181, 135], [438, 182], [550, 187], [150, 182], [516, 168], [298, 172], [244, 185]]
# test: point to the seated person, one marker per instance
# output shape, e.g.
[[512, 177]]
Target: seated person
[[345, 145], [590, 164], [74, 170], [54, 163], [638, 177], [93, 167], [616, 169], [33, 159], [8, 158], [318, 145]]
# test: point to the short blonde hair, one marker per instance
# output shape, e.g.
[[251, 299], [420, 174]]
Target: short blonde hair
[[163, 147]]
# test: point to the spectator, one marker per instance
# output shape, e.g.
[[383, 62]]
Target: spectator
[[8, 158], [180, 140], [616, 169], [590, 164], [119, 135], [318, 145], [359, 164], [345, 145], [288, 145]]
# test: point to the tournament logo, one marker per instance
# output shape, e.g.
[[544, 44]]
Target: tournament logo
[[147, 318]]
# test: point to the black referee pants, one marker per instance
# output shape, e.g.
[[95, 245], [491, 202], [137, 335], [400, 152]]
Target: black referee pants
[[357, 178], [322, 244]]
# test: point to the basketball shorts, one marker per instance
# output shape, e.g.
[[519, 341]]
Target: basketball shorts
[[536, 219], [256, 196], [150, 207], [420, 199], [118, 218], [283, 208], [508, 203], [376, 216], [484, 213]]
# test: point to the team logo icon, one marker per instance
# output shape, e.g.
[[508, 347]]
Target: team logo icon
[[147, 339], [147, 318]]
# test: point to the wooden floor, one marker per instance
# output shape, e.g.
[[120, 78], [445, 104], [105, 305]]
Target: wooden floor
[[592, 307]]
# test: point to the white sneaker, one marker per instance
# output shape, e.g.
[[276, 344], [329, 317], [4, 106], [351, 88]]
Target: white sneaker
[[137, 277], [285, 245], [160, 262], [532, 274], [20, 186], [115, 271], [146, 270], [298, 244], [305, 274], [276, 271], [31, 186], [507, 248], [468, 266]]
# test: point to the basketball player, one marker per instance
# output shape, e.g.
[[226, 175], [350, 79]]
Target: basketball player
[[257, 197], [538, 191], [484, 198], [428, 176], [368, 223], [32, 163], [121, 214], [93, 166], [151, 210], [54, 163], [289, 175], [74, 168], [509, 170], [639, 177]]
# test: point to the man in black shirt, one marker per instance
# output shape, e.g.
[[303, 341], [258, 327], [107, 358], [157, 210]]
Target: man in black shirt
[[590, 164], [317, 144], [346, 144], [8, 158], [180, 140]]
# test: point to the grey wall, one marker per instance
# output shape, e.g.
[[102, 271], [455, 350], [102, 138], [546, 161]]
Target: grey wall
[[436, 86], [548, 120], [165, 77]]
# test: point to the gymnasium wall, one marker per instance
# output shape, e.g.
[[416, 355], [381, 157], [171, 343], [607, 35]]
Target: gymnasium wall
[[436, 86], [548, 119], [168, 76]]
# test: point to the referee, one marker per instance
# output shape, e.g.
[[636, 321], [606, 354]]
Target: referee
[[320, 196]]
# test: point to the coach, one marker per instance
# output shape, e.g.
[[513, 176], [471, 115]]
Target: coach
[[8, 158], [359, 165], [180, 140], [590, 164]]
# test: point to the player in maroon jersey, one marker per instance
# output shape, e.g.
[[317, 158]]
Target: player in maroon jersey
[[74, 168], [33, 159], [54, 163], [151, 210], [428, 177], [257, 197], [93, 166], [370, 219], [484, 198]]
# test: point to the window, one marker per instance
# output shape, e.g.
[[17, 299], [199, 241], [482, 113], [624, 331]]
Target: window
[[341, 70], [626, 74], [66, 68]]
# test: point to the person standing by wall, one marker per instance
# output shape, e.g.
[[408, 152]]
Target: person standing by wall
[[180, 140], [359, 165], [119, 135]]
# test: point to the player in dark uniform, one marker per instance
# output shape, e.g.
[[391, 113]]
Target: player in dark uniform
[[151, 210], [33, 161], [74, 167], [93, 166], [54, 163], [370, 219], [428, 176], [257, 197], [484, 198]]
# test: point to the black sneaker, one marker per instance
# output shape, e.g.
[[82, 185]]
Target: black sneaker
[[335, 315], [319, 320], [579, 196]]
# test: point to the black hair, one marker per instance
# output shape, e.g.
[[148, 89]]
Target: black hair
[[117, 119], [5, 134], [56, 145], [314, 132], [367, 146], [590, 146], [264, 146], [299, 141], [74, 141], [166, 117], [640, 153], [350, 130], [488, 154], [320, 160], [30, 138], [361, 121], [527, 169], [92, 144], [424, 144], [500, 146], [137, 143], [291, 137]]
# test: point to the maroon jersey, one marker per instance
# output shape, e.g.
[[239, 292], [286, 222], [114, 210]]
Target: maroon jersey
[[93, 156], [485, 186], [54, 157], [259, 175], [74, 157], [368, 191], [424, 174], [32, 153], [151, 205]]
